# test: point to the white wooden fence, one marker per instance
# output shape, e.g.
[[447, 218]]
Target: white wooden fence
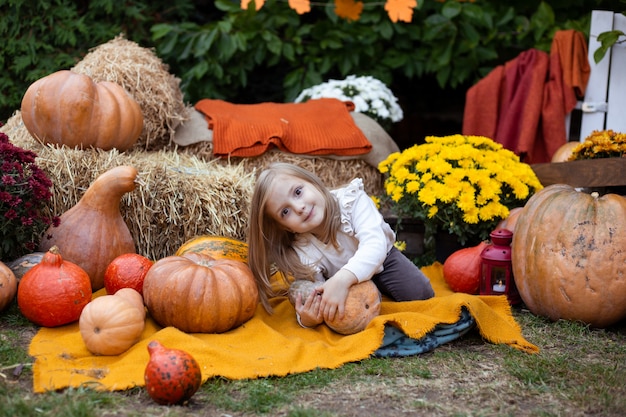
[[604, 106]]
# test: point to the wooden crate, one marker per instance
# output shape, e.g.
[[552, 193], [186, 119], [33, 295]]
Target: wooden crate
[[589, 173]]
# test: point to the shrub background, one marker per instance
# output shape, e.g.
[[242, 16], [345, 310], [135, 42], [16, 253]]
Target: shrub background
[[244, 56]]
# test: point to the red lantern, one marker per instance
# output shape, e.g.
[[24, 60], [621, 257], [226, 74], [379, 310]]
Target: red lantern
[[496, 267]]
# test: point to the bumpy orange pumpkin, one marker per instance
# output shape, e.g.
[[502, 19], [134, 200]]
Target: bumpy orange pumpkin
[[569, 255], [199, 294], [110, 325], [362, 305], [172, 376], [462, 269], [218, 247], [93, 232], [8, 286], [126, 271], [66, 108], [53, 292]]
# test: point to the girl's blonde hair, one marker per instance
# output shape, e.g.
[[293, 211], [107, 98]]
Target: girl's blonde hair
[[269, 244]]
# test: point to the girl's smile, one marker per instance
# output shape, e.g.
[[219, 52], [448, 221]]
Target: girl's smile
[[296, 204]]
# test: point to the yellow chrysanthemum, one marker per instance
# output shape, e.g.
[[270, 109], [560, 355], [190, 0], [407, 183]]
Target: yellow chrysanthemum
[[463, 183]]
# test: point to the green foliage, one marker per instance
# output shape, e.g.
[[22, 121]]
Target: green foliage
[[242, 55], [43, 36], [221, 51]]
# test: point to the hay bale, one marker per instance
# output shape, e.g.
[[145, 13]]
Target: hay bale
[[334, 173], [179, 197], [182, 194], [142, 73]]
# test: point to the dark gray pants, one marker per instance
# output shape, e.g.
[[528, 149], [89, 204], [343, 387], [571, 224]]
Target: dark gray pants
[[402, 280]]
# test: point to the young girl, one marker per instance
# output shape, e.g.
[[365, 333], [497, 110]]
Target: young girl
[[338, 238]]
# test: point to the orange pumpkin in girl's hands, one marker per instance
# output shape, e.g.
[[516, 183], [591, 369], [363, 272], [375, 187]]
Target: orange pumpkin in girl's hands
[[462, 269], [126, 271]]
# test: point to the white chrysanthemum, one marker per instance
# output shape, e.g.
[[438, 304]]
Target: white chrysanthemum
[[369, 95]]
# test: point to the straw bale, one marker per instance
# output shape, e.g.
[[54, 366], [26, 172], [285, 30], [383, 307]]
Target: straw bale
[[179, 196], [334, 173], [147, 79], [181, 193]]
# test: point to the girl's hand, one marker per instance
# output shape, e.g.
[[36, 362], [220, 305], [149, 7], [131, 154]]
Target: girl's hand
[[310, 312], [335, 292]]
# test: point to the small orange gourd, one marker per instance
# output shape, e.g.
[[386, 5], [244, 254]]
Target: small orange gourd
[[462, 269], [199, 294], [67, 108], [93, 232], [111, 324], [362, 305], [134, 297], [53, 292], [172, 376], [8, 286]]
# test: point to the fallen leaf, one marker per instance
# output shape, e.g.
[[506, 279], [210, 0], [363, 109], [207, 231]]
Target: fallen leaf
[[348, 9], [401, 10], [300, 6]]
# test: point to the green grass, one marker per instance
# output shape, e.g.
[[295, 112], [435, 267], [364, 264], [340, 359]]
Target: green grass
[[579, 371]]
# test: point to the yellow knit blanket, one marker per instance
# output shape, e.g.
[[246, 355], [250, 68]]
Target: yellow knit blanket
[[266, 345]]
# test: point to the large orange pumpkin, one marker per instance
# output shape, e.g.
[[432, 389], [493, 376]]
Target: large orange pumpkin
[[569, 255], [66, 108], [199, 294], [218, 247]]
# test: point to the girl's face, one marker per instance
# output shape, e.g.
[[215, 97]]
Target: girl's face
[[296, 204]]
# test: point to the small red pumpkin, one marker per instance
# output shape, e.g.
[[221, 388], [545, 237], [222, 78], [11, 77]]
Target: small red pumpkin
[[172, 376], [128, 270], [462, 269], [53, 292]]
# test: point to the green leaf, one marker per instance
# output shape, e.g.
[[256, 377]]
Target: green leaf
[[607, 40], [451, 9]]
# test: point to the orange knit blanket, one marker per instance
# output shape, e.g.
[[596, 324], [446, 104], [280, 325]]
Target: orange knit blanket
[[316, 127]]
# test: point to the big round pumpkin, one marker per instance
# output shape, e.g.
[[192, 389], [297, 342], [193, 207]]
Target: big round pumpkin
[[569, 255], [199, 294], [218, 247], [53, 292], [66, 108], [462, 269], [8, 286], [111, 324], [362, 305]]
